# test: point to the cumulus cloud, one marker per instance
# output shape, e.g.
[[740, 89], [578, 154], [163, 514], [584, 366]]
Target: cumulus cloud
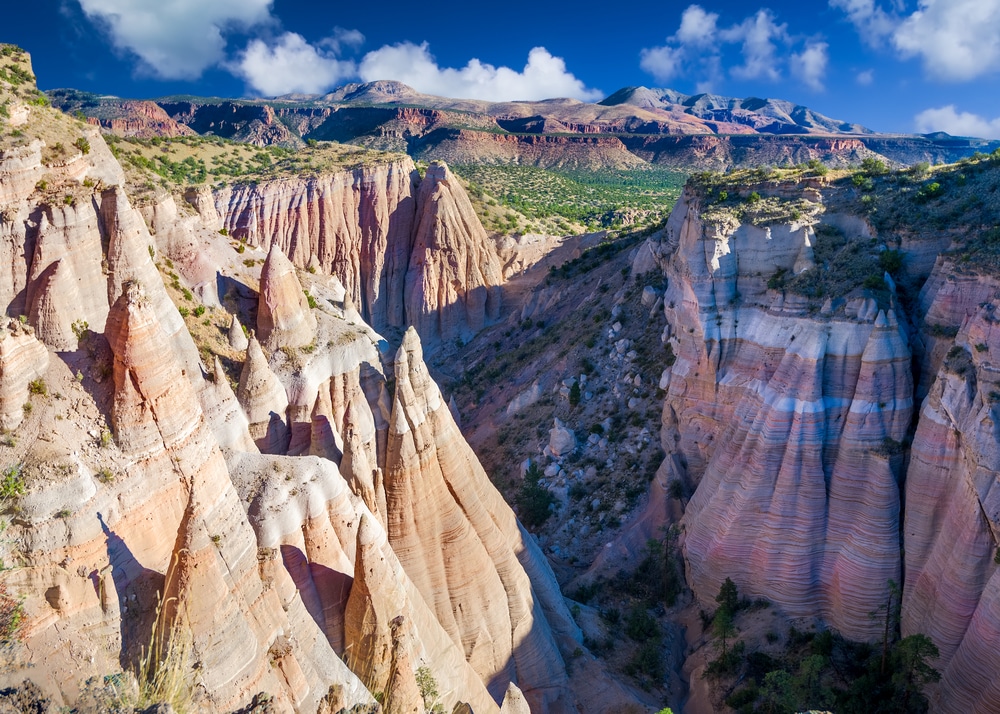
[[957, 40], [872, 22], [764, 44], [698, 28], [956, 123], [175, 39], [664, 63], [809, 65], [757, 34], [292, 65], [544, 76], [865, 78]]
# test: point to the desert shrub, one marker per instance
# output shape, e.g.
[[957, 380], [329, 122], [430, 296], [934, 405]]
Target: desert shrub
[[533, 500]]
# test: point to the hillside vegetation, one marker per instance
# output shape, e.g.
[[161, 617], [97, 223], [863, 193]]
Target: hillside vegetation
[[193, 160], [600, 199]]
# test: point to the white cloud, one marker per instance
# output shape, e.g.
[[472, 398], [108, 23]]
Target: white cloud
[[664, 63], [175, 39], [697, 28], [543, 77], [956, 123], [872, 22], [810, 64], [696, 49], [342, 38], [957, 40], [757, 34], [865, 78], [292, 65]]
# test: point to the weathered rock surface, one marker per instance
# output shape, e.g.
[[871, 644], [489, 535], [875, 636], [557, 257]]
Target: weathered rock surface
[[403, 254], [23, 359], [263, 562], [283, 316], [454, 277], [782, 421], [264, 401], [445, 520]]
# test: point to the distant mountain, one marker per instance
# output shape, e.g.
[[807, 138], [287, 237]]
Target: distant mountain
[[634, 127], [764, 116]]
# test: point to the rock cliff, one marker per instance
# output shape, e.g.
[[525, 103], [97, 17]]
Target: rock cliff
[[373, 229], [791, 406], [805, 402], [145, 506]]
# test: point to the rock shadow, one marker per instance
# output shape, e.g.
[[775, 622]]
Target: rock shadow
[[136, 589], [324, 592]]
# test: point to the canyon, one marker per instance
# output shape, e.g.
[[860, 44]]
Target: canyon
[[227, 439]]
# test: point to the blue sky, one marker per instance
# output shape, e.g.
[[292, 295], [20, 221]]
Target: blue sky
[[893, 65]]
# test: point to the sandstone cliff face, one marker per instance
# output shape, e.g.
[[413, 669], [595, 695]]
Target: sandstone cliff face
[[454, 276], [263, 560], [790, 419], [403, 255], [952, 526], [780, 419], [445, 519]]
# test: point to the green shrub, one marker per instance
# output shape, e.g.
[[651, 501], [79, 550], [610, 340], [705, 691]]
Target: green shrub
[[12, 483], [82, 144], [533, 500]]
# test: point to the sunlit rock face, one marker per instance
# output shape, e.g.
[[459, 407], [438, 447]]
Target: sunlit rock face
[[407, 250], [317, 530]]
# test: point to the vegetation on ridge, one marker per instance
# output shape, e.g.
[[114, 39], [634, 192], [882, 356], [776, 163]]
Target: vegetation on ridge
[[609, 198], [192, 160]]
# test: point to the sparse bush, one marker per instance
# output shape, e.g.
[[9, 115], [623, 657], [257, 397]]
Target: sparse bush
[[12, 483], [37, 387], [82, 144], [533, 500]]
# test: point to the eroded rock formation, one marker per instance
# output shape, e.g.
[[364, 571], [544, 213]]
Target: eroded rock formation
[[404, 255], [151, 485]]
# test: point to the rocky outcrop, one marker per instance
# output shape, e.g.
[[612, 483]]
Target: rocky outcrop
[[952, 527], [403, 256], [783, 422], [236, 336], [283, 316], [23, 359], [264, 401], [454, 277], [143, 120], [356, 224], [445, 520], [270, 570]]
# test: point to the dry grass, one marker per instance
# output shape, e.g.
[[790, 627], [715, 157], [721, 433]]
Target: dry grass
[[163, 673]]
